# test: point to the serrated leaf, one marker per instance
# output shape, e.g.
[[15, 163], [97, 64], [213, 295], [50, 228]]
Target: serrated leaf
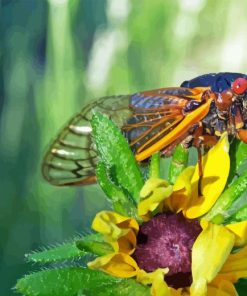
[[64, 282], [61, 252], [128, 287], [116, 155], [120, 202], [73, 281]]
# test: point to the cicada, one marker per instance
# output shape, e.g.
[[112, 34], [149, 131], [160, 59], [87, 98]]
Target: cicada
[[195, 114]]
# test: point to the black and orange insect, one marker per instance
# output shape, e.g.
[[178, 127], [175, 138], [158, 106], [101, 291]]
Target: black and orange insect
[[195, 114]]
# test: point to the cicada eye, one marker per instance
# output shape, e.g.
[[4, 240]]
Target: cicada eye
[[239, 86]]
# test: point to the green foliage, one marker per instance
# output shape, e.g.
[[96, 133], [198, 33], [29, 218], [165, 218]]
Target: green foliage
[[219, 211], [129, 287], [120, 202], [154, 169], [62, 282], [238, 154], [179, 162], [61, 252], [241, 287], [77, 281], [239, 215], [94, 244], [117, 157], [88, 244]]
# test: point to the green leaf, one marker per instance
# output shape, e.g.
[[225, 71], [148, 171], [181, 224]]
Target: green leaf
[[240, 215], [219, 211], [241, 287], [120, 202], [116, 155], [154, 169], [94, 244], [179, 162], [61, 252], [238, 153], [64, 282], [72, 281], [128, 287]]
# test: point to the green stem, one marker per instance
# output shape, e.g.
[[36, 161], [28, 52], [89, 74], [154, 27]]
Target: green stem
[[219, 211], [240, 215], [154, 169], [179, 162]]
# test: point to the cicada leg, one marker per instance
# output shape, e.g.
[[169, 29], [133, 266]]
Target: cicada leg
[[242, 135]]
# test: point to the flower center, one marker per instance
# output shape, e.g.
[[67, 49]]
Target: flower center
[[166, 241]]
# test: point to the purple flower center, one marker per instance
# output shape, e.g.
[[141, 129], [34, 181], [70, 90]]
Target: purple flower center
[[166, 241]]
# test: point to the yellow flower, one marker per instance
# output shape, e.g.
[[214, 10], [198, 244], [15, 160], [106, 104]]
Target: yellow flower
[[176, 251]]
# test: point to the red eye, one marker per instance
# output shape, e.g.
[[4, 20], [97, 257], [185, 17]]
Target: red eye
[[239, 86]]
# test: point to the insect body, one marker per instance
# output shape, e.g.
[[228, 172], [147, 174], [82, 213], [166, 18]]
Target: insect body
[[157, 120]]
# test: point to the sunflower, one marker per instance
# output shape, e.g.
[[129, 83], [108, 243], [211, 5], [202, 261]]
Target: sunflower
[[175, 248]]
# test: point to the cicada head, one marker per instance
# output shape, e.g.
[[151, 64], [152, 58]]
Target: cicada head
[[239, 89], [239, 86], [239, 108]]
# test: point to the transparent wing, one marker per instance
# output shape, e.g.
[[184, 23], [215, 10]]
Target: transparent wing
[[144, 118], [71, 158]]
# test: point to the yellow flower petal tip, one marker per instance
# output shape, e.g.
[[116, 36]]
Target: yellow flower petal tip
[[184, 180], [119, 231], [156, 279], [240, 231], [215, 243], [151, 184], [117, 264], [182, 190], [153, 193]]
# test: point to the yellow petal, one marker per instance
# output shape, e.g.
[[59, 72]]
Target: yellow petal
[[221, 288], [116, 264], [240, 231], [180, 292], [181, 191], [235, 266], [216, 165], [184, 180], [153, 193], [118, 230], [156, 278], [209, 253]]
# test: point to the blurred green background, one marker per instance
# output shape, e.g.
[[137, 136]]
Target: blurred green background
[[57, 55]]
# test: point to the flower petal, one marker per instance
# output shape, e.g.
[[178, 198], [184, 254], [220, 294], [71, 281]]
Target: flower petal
[[184, 180], [240, 231], [221, 288], [181, 191], [116, 264], [152, 195], [156, 278], [235, 266], [209, 253], [216, 166], [118, 230]]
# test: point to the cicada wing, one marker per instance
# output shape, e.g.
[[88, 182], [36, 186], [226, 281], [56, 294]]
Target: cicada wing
[[157, 114], [72, 157]]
